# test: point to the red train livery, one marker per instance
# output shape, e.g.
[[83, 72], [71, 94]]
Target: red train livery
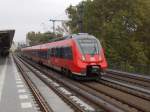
[[78, 55]]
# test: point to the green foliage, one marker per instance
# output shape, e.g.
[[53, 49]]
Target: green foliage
[[122, 26], [40, 38]]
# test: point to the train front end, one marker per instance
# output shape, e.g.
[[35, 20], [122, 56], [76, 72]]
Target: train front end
[[90, 57]]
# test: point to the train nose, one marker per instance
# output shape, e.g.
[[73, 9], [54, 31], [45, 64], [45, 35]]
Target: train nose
[[92, 59], [93, 69]]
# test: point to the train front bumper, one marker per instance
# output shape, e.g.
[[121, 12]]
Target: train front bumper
[[90, 71]]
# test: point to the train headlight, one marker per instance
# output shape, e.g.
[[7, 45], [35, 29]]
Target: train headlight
[[100, 58], [83, 58]]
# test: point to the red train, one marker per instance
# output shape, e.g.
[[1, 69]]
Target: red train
[[78, 55]]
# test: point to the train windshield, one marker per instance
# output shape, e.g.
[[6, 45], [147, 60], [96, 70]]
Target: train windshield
[[89, 46]]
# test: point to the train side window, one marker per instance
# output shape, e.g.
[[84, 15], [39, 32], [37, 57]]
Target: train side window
[[70, 56], [49, 53], [56, 54], [43, 54], [46, 54], [64, 53], [39, 53], [52, 52], [68, 53], [61, 52], [36, 53]]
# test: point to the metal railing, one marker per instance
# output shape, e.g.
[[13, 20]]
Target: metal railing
[[131, 68]]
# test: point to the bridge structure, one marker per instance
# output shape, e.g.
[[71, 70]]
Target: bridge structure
[[6, 39]]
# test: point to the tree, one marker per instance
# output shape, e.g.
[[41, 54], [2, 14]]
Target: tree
[[122, 26], [40, 38]]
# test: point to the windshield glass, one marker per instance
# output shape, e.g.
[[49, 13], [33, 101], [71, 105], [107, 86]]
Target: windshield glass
[[89, 46]]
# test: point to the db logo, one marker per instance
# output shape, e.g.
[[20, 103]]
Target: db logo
[[92, 59]]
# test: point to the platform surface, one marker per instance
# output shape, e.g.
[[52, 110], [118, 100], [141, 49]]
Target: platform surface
[[15, 96]]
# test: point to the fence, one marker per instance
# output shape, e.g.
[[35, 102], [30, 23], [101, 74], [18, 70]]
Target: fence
[[131, 68]]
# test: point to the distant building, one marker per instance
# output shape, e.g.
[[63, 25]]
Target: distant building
[[21, 45], [28, 41], [13, 47]]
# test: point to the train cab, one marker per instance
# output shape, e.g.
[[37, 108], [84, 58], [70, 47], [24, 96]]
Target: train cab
[[89, 55]]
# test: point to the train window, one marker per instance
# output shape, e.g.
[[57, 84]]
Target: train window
[[36, 53], [67, 53], [89, 46], [61, 52], [57, 52], [70, 56], [39, 54], [42, 54], [49, 53], [52, 52], [45, 54]]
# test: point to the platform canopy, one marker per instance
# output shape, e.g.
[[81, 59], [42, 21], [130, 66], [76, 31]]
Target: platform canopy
[[6, 38]]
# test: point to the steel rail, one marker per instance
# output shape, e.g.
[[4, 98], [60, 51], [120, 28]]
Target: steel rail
[[76, 107], [129, 75], [136, 91], [107, 106], [136, 82], [46, 72], [125, 98], [38, 97]]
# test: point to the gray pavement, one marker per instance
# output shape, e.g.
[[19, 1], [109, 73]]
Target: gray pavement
[[14, 94]]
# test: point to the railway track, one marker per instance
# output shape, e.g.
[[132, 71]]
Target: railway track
[[100, 103], [130, 75], [139, 92], [139, 80], [37, 96], [124, 98], [72, 101], [110, 98]]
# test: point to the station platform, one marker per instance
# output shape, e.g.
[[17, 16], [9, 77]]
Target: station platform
[[15, 96]]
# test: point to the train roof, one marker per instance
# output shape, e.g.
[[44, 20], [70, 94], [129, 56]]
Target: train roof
[[79, 35], [65, 39]]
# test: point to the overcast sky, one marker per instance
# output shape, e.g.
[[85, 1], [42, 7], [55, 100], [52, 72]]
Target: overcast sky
[[31, 15]]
